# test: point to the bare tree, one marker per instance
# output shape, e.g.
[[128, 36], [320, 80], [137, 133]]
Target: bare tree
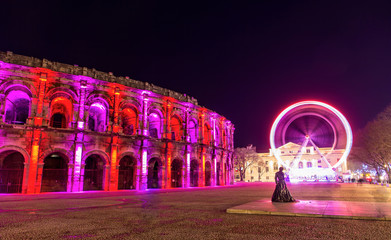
[[244, 159], [261, 168], [373, 144]]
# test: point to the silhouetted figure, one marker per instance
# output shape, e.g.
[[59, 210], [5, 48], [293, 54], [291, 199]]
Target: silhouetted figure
[[281, 193]]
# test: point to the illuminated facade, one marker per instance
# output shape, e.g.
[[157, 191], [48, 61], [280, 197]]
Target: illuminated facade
[[69, 128], [310, 167]]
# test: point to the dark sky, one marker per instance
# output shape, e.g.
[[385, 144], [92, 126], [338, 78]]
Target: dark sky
[[246, 60]]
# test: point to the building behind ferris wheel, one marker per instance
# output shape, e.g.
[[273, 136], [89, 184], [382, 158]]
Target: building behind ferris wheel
[[303, 159], [310, 168]]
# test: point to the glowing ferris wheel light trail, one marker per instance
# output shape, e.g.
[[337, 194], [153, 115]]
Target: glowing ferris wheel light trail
[[321, 155], [300, 153], [342, 119]]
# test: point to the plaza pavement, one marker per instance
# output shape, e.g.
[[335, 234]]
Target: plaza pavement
[[198, 213], [314, 208]]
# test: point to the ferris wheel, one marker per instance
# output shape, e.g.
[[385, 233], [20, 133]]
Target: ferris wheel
[[312, 124]]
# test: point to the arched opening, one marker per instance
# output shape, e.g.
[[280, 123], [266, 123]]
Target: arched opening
[[154, 173], [218, 173], [55, 173], [129, 121], [11, 172], [154, 125], [192, 128], [275, 166], [300, 164], [207, 134], [17, 107], [176, 173], [224, 138], [208, 170], [176, 129], [61, 110], [309, 164], [94, 173], [97, 117], [194, 173], [217, 136], [58, 120], [225, 173], [127, 173]]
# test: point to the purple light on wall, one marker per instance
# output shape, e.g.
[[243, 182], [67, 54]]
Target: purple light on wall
[[77, 170], [188, 168]]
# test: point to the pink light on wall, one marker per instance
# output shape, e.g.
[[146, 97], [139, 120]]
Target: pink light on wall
[[80, 125], [77, 168], [188, 169], [144, 163], [145, 114]]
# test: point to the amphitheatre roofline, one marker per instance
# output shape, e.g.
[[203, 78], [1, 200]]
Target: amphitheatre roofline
[[12, 58]]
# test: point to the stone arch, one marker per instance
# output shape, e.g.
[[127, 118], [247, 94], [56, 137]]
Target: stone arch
[[176, 126], [207, 134], [11, 169], [127, 172], [224, 137], [66, 153], [101, 153], [155, 122], [130, 102], [96, 172], [218, 172], [62, 92], [22, 151], [131, 154], [98, 114], [217, 135], [177, 166], [17, 104], [61, 109], [130, 119], [55, 172], [192, 129], [155, 173], [208, 173], [9, 84], [194, 172]]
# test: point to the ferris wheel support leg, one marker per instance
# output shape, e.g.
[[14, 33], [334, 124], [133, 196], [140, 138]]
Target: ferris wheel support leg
[[321, 155], [300, 153]]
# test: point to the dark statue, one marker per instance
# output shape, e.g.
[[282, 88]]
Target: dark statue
[[281, 193]]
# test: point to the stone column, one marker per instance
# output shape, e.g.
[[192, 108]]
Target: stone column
[[31, 188], [144, 169], [113, 182], [77, 182], [144, 130]]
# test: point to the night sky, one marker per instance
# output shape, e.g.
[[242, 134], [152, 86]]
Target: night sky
[[246, 60]]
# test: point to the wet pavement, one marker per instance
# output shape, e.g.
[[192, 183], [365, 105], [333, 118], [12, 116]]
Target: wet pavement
[[200, 213], [316, 208]]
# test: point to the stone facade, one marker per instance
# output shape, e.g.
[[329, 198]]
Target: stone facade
[[70, 128]]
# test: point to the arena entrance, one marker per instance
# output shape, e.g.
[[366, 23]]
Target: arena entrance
[[207, 173], [194, 173], [176, 173], [94, 173], [154, 173], [11, 172], [55, 173], [126, 175]]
